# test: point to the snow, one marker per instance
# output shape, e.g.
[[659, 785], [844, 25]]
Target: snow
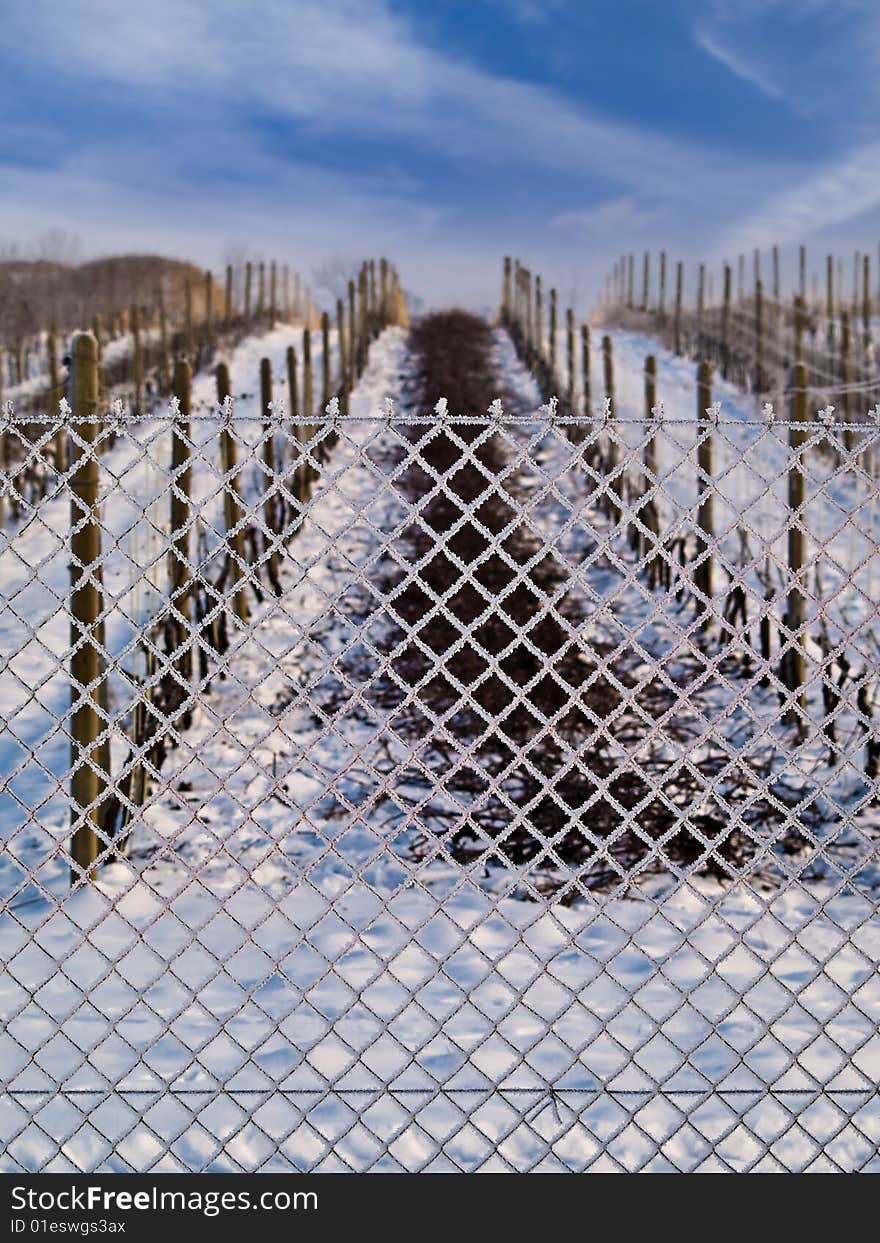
[[271, 980]]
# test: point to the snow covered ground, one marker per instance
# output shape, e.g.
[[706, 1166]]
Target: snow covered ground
[[273, 980]]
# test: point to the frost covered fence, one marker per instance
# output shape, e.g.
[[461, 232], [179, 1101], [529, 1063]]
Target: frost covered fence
[[479, 845]]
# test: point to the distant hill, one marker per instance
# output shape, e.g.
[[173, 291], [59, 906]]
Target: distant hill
[[36, 294]]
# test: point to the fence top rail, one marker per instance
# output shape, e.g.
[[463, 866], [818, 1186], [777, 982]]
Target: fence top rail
[[120, 422]]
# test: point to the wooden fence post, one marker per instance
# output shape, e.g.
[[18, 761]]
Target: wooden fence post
[[188, 317], [86, 662], [343, 351], [705, 518], [232, 505], [650, 404], [569, 350], [137, 359], [384, 304], [178, 554], [352, 336], [163, 342], [585, 369], [759, 337], [646, 277], [845, 373], [802, 273], [613, 452], [795, 661], [325, 360], [271, 498], [209, 308], [679, 279], [725, 324], [55, 395], [552, 350], [650, 512], [227, 310], [308, 396]]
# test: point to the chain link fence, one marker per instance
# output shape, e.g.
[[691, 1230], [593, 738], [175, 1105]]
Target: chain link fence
[[427, 792]]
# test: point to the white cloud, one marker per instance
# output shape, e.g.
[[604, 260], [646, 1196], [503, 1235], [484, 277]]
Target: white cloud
[[745, 70]]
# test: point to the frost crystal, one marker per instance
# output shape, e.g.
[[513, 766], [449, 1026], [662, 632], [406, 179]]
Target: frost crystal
[[713, 412], [332, 407], [768, 411], [826, 415], [442, 407], [496, 409]]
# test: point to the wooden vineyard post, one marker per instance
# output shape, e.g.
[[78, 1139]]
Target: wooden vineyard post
[[362, 323], [227, 309], [137, 360], [270, 496], [725, 325], [308, 397], [759, 337], [285, 293], [845, 374], [650, 514], [569, 352], [208, 319], [650, 404], [188, 318], [178, 558], [261, 291], [505, 297], [60, 439], [342, 351], [384, 304], [538, 340], [352, 336], [373, 300], [802, 273], [248, 289], [866, 300], [630, 281], [679, 280], [273, 293], [829, 305], [705, 519], [232, 507], [776, 275], [86, 661], [613, 453], [795, 660], [551, 357], [300, 479], [325, 360], [701, 305], [661, 305], [646, 279], [163, 342], [585, 369]]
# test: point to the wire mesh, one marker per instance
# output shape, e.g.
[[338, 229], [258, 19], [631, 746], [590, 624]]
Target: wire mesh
[[524, 819]]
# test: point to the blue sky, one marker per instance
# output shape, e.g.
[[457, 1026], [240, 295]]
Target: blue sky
[[444, 133]]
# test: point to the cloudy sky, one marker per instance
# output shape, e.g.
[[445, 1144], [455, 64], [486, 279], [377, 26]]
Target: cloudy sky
[[443, 133]]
